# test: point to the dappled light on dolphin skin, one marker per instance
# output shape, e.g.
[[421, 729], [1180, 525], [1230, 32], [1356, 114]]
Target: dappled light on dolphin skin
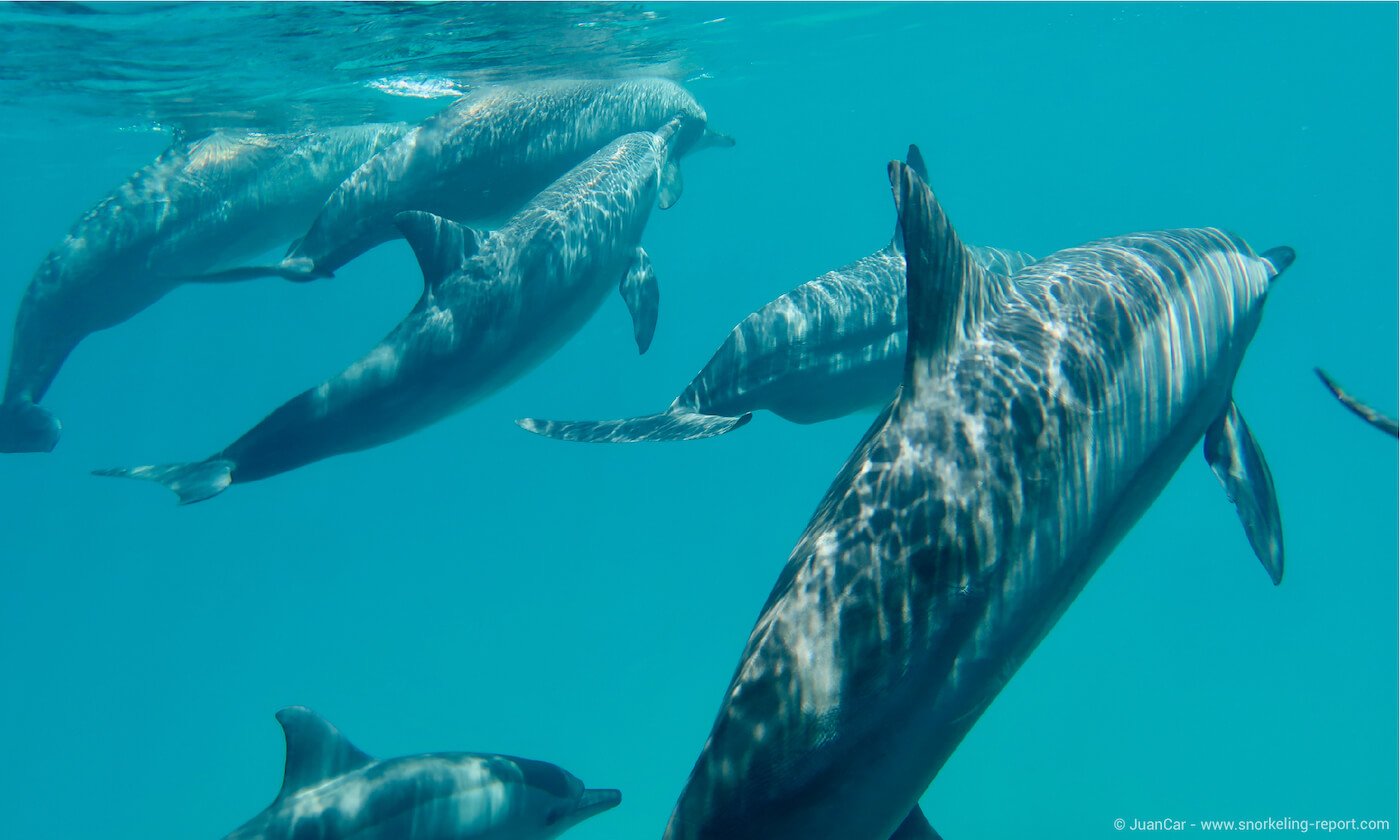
[[494, 306], [1040, 413], [333, 790]]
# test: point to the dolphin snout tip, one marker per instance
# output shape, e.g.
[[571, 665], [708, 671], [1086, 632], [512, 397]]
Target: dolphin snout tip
[[1279, 258], [596, 801]]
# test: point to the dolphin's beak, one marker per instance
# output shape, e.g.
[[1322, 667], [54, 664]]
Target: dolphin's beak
[[594, 802], [1280, 258]]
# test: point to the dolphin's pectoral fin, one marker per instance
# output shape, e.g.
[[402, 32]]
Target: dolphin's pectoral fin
[[440, 245], [1238, 462], [1359, 408], [671, 184], [316, 750], [643, 298], [915, 827], [191, 482]]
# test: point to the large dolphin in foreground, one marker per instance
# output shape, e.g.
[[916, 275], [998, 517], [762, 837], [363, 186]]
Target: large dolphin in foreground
[[198, 208], [494, 306], [333, 791], [830, 347], [1039, 416], [482, 157], [1359, 408]]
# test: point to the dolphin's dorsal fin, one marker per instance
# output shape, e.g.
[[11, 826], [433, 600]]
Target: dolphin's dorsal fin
[[440, 245], [316, 751], [945, 288], [915, 159]]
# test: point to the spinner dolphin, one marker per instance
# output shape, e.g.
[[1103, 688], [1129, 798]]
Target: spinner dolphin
[[481, 158], [494, 306], [197, 209], [1038, 417], [830, 347], [333, 791]]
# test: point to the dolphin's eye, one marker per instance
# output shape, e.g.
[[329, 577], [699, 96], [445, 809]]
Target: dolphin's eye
[[554, 816]]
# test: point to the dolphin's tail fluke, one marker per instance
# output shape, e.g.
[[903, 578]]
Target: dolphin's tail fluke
[[191, 482], [25, 427], [673, 424]]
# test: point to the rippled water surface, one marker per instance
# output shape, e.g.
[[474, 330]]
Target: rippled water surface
[[474, 587]]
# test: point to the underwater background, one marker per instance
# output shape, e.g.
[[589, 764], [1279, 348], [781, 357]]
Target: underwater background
[[474, 587]]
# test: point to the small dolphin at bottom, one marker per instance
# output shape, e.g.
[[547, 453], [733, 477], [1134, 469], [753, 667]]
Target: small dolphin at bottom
[[333, 791], [1359, 408]]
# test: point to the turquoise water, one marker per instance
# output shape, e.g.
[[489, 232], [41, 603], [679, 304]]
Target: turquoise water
[[473, 587]]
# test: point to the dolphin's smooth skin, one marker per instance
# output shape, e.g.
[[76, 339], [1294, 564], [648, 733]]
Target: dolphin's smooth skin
[[1038, 417], [830, 347], [494, 306], [1359, 408], [481, 158], [198, 208], [333, 791]]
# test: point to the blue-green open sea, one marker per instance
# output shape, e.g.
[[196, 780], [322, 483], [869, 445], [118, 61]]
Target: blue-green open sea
[[474, 587]]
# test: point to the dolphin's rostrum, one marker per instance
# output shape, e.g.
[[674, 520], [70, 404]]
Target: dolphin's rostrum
[[333, 791], [1038, 417]]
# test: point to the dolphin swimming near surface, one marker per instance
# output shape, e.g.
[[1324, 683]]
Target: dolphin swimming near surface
[[1038, 418], [494, 306], [1359, 408], [199, 207], [333, 791], [482, 157], [830, 347]]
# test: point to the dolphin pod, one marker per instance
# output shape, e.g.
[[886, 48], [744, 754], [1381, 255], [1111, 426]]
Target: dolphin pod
[[1033, 410], [1040, 414], [199, 207], [332, 790], [830, 347], [486, 154], [494, 305]]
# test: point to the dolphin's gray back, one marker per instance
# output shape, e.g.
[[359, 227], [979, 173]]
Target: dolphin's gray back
[[965, 522], [483, 156]]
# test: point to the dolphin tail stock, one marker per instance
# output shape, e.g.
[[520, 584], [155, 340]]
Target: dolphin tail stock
[[672, 424], [26, 427], [1359, 408], [192, 482]]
